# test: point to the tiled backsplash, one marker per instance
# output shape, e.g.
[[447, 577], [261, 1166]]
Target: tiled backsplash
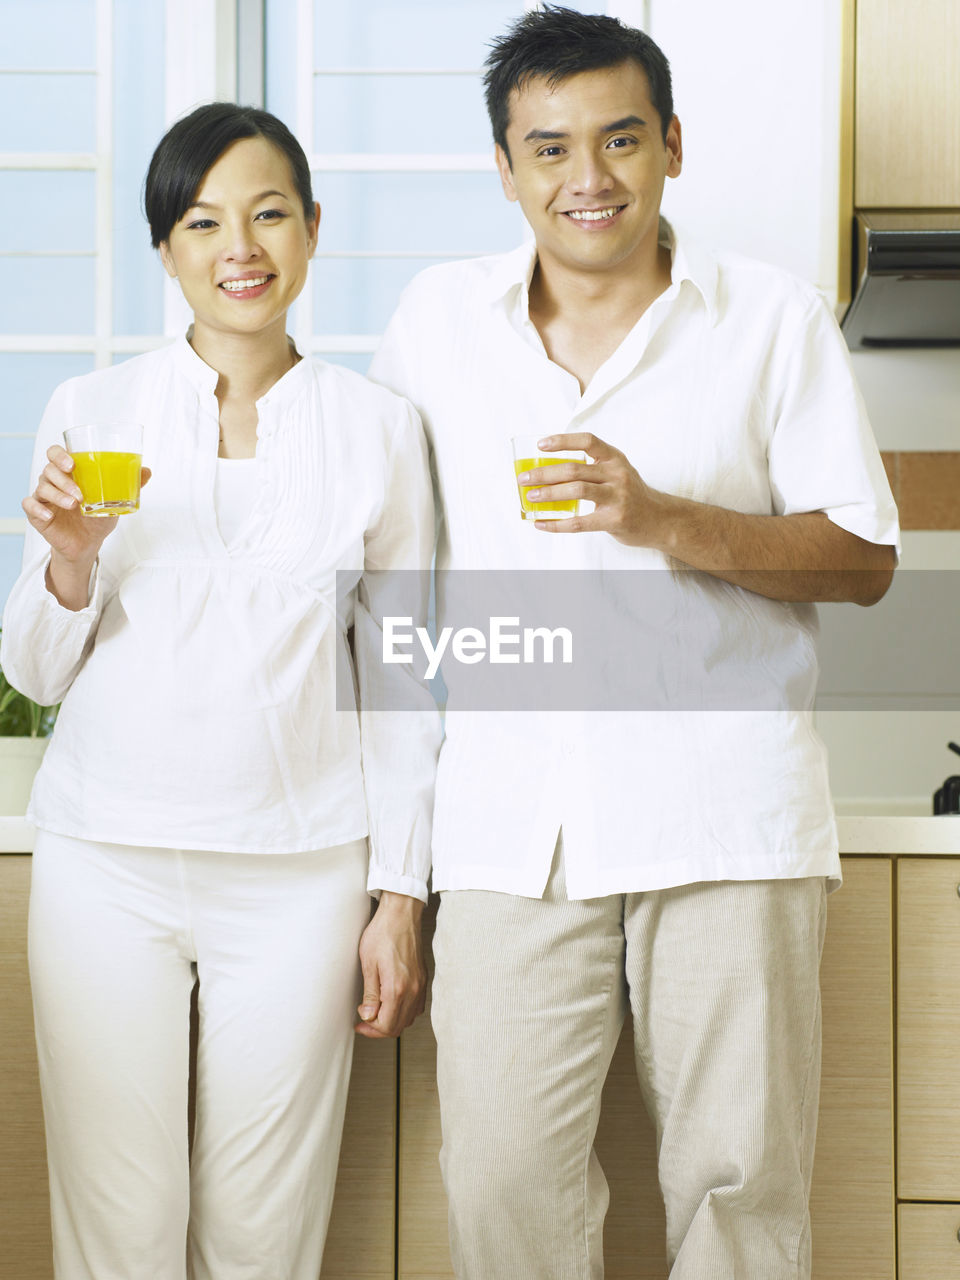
[[926, 488]]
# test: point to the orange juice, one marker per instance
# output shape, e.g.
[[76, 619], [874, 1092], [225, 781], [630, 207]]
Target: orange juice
[[541, 510], [109, 481]]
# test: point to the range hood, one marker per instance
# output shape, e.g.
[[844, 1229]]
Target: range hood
[[907, 274]]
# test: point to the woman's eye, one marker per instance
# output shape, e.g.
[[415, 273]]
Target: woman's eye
[[200, 224], [271, 214]]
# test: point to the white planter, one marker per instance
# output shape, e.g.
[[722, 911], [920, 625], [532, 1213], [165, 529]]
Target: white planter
[[19, 761]]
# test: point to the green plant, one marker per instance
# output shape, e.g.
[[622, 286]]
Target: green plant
[[20, 716]]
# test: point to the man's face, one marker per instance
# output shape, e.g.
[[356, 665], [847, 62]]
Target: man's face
[[588, 167]]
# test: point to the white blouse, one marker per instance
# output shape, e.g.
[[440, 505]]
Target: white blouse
[[200, 704], [234, 492]]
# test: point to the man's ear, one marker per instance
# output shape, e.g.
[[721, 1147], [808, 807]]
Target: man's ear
[[506, 173], [674, 147], [166, 257]]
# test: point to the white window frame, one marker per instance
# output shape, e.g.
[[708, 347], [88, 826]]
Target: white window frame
[[197, 69]]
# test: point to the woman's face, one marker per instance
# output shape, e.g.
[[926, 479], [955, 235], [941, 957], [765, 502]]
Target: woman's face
[[241, 250]]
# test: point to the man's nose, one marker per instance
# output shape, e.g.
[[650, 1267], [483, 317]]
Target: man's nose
[[589, 175]]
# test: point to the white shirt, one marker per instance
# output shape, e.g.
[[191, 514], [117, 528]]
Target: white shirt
[[199, 700], [234, 493], [734, 388]]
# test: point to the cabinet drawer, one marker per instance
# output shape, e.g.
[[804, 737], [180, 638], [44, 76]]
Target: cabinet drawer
[[928, 1026], [929, 1247]]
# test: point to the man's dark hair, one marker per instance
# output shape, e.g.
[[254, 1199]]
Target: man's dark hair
[[557, 42], [194, 144]]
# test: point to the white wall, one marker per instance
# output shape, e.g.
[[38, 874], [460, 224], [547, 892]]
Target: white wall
[[757, 91]]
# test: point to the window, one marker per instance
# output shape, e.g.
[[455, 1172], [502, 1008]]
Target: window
[[386, 98]]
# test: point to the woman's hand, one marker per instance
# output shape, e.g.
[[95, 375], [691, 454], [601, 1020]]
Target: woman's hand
[[53, 509], [394, 975]]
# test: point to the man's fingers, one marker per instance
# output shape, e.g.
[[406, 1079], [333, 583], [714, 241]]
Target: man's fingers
[[591, 445]]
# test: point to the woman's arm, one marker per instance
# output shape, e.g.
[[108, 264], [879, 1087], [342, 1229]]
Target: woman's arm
[[51, 616]]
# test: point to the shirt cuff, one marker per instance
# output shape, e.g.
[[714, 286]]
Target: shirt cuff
[[94, 593], [378, 879]]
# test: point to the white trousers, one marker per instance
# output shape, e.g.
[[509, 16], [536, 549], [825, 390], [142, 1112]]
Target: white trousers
[[722, 980], [116, 937]]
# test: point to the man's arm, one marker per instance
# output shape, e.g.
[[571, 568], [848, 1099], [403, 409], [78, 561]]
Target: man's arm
[[801, 557]]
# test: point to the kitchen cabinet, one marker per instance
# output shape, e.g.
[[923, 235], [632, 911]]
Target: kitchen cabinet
[[24, 1211], [929, 1249], [907, 104], [928, 1084], [389, 1202]]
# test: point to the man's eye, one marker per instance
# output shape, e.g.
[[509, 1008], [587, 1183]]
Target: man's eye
[[550, 151], [620, 143]]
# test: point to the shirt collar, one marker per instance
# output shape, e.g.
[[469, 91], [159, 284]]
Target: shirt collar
[[203, 378], [510, 274]]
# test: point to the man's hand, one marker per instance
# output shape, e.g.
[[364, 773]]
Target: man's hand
[[625, 506], [803, 556], [394, 975]]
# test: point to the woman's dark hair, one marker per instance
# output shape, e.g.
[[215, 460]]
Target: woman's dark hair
[[558, 42], [191, 146]]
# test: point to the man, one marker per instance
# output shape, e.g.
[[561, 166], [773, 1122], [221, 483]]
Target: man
[[673, 862]]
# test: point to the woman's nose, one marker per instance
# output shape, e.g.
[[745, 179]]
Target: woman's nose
[[241, 245]]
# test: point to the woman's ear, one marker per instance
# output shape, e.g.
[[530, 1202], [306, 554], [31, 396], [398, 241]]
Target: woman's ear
[[313, 228], [166, 257]]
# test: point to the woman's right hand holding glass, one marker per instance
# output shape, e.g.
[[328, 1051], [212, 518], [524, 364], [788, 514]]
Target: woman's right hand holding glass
[[54, 510]]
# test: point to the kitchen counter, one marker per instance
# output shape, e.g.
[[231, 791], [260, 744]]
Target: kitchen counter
[[874, 833]]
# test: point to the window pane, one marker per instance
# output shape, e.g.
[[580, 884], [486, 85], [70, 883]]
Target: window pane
[[360, 295], [400, 113], [48, 113], [48, 33], [42, 210], [417, 33], [47, 295], [422, 212], [11, 553], [138, 78], [15, 478], [28, 381]]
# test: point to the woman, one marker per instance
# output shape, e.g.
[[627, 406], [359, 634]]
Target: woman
[[202, 807]]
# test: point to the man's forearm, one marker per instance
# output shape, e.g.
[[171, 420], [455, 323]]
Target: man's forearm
[[803, 557]]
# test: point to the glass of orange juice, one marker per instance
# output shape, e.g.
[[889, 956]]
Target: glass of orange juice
[[106, 466], [526, 456]]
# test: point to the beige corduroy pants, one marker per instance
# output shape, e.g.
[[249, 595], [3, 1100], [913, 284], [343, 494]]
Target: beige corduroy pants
[[722, 979]]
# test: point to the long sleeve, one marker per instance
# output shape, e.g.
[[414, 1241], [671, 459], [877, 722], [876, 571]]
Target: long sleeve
[[399, 721], [43, 644]]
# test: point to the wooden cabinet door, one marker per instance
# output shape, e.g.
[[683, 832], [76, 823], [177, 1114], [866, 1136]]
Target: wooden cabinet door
[[25, 1253], [852, 1199], [929, 1244], [361, 1239], [907, 104], [928, 1029]]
